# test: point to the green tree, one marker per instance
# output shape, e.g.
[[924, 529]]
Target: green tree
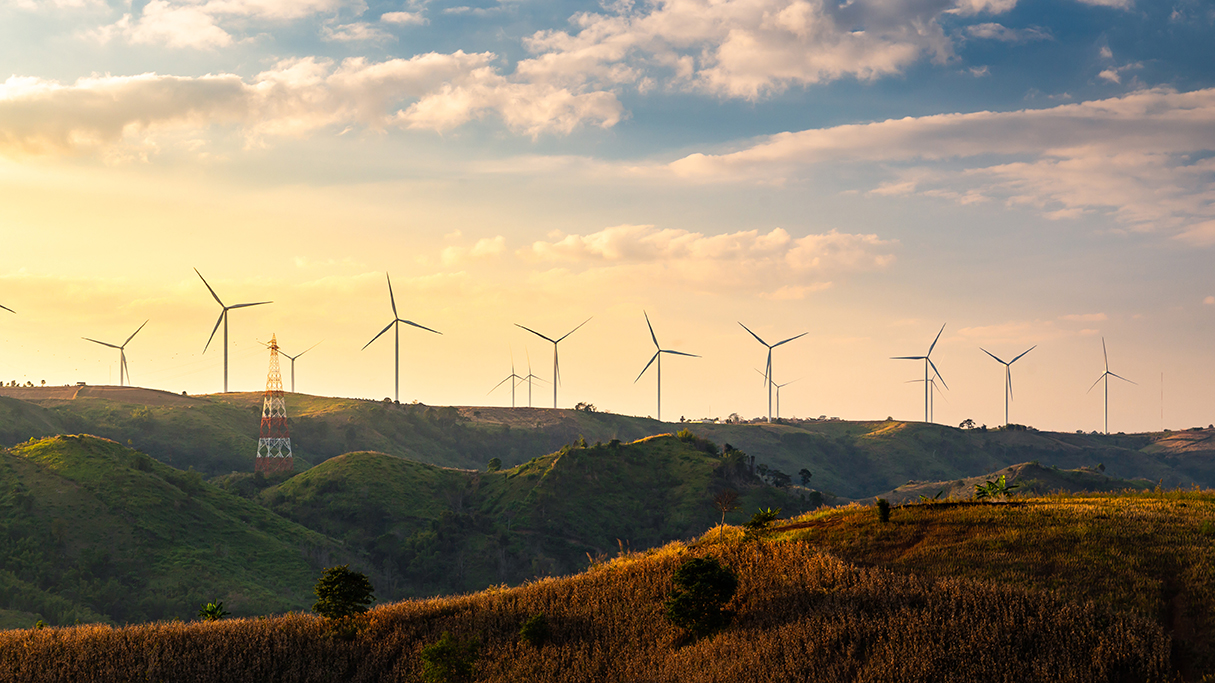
[[449, 660], [805, 475], [535, 630], [212, 611], [494, 465], [341, 593], [725, 501], [991, 490], [760, 522], [703, 587]]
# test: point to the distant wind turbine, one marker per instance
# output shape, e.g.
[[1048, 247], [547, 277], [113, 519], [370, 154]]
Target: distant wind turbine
[[1008, 392], [927, 363], [122, 354], [292, 359], [512, 376], [768, 368], [556, 365], [658, 357], [529, 378], [778, 387], [396, 320], [1106, 376], [932, 401], [223, 318]]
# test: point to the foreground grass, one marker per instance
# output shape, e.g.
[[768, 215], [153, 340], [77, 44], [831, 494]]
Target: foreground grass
[[801, 615]]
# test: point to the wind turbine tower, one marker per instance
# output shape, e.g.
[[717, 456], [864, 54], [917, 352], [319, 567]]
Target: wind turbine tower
[[1106, 376], [223, 318], [396, 320], [274, 442], [658, 357], [778, 388], [516, 380], [122, 353], [768, 367], [556, 364], [1008, 392], [927, 364], [530, 376], [292, 359]]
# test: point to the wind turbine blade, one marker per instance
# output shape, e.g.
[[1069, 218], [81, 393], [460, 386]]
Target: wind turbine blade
[[1008, 377], [647, 366], [259, 303], [1123, 378], [938, 372], [380, 334], [499, 384], [575, 329], [112, 346], [908, 357], [934, 341], [410, 322], [391, 298], [8, 309], [652, 335], [306, 350], [754, 335], [679, 353], [215, 329], [209, 288], [1105, 354], [790, 339], [996, 357], [128, 341], [125, 369], [1097, 382], [1026, 351], [556, 365], [536, 333]]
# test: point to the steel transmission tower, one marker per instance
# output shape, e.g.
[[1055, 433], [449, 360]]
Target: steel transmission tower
[[274, 445]]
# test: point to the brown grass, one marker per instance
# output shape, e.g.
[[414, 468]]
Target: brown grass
[[801, 615]]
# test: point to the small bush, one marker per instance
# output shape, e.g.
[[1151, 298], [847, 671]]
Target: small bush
[[702, 588], [535, 630], [883, 510], [760, 522], [449, 660], [341, 593], [212, 611], [494, 465]]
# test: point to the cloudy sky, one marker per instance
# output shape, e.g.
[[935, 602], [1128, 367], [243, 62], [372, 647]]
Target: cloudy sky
[[1024, 172]]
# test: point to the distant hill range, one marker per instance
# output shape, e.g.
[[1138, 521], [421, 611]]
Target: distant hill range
[[217, 435]]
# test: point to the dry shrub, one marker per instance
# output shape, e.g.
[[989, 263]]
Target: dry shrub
[[801, 615]]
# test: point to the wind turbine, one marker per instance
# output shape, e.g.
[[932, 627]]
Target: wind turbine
[[658, 357], [512, 376], [292, 358], [932, 401], [122, 353], [529, 378], [223, 318], [1008, 392], [768, 367], [778, 386], [556, 365], [927, 363], [396, 319], [1106, 376]]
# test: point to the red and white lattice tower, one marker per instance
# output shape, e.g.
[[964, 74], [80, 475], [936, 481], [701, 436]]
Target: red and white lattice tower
[[274, 445]]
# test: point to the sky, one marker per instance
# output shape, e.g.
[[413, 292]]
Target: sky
[[1026, 173]]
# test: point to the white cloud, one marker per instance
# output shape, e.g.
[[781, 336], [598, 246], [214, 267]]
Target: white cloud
[[430, 92], [355, 32], [186, 24], [1131, 156], [774, 264], [403, 18], [1116, 4], [485, 248], [992, 31], [969, 7], [741, 48]]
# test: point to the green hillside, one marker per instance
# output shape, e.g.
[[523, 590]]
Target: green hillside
[[1028, 478], [1082, 589], [430, 530], [91, 530]]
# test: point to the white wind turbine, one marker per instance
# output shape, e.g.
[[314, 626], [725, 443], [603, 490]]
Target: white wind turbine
[[1106, 376], [395, 324], [556, 365], [768, 368], [223, 318], [927, 382], [932, 401], [658, 357], [1008, 392], [778, 388], [122, 354], [516, 380], [530, 376], [292, 359]]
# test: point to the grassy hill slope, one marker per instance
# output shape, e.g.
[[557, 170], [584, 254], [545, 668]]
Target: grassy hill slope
[[801, 614], [1029, 478], [92, 530], [428, 529]]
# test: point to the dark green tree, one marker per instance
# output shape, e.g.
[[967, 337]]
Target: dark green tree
[[212, 611], [341, 593], [703, 587], [494, 464], [805, 475], [449, 660]]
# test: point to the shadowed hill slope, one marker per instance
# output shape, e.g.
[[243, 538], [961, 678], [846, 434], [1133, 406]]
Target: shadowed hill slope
[[1028, 477], [799, 615]]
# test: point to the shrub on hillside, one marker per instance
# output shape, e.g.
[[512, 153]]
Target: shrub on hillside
[[702, 588], [535, 630], [341, 593], [449, 660], [760, 522], [212, 611]]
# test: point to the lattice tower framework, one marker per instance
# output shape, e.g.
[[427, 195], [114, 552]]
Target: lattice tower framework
[[274, 444]]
